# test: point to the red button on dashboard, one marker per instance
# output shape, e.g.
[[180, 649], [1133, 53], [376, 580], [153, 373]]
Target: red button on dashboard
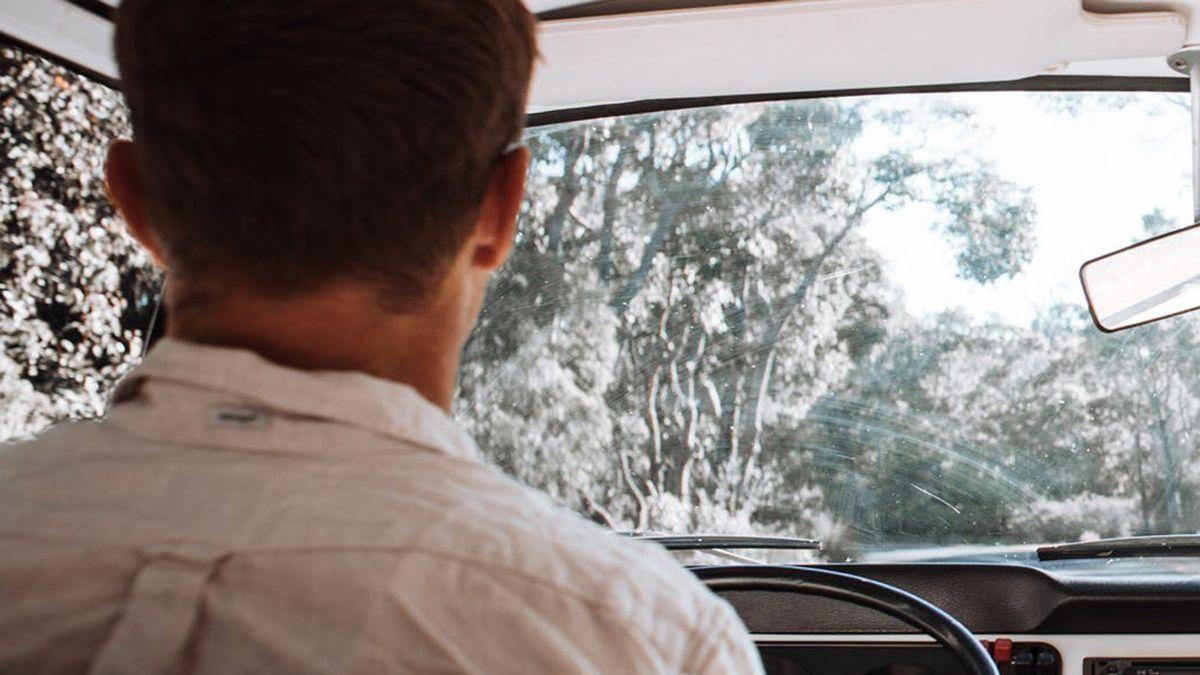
[[1003, 650]]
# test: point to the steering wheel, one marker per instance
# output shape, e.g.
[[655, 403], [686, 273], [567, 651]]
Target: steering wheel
[[894, 602]]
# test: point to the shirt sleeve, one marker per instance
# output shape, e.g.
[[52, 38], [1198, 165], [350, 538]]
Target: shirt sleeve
[[722, 646]]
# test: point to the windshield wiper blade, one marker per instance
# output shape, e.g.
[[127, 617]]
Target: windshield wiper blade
[[707, 542], [1160, 546]]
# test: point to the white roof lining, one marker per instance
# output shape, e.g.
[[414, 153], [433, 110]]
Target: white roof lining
[[766, 48], [817, 45]]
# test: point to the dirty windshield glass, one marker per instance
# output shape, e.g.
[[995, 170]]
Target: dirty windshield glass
[[854, 319]]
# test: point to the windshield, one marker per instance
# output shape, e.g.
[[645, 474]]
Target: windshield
[[853, 319]]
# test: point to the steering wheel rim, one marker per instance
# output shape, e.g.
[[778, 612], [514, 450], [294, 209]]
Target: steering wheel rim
[[896, 603]]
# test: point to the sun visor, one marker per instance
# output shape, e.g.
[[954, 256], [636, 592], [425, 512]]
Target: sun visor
[[79, 33], [824, 45]]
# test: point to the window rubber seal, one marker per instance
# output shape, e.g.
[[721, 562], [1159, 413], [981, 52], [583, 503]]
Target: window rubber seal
[[7, 40], [1046, 83], [98, 7]]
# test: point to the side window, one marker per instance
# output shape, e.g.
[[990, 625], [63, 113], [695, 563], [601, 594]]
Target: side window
[[77, 291]]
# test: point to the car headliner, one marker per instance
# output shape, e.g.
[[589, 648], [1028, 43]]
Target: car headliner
[[621, 51]]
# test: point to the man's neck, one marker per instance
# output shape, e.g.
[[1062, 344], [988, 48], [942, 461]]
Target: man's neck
[[335, 330]]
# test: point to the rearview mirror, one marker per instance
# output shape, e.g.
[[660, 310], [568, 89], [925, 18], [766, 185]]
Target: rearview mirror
[[1156, 279]]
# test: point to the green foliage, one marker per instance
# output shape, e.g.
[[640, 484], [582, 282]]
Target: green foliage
[[77, 291], [1157, 222], [726, 245]]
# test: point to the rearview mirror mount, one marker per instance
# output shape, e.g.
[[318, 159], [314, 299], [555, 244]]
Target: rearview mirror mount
[[1158, 278]]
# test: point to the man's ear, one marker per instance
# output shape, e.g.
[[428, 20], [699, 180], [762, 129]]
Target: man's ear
[[121, 178], [496, 228]]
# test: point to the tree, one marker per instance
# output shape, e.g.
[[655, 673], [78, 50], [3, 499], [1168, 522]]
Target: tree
[[77, 291], [723, 247]]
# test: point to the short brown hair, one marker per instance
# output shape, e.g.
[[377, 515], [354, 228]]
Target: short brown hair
[[290, 143]]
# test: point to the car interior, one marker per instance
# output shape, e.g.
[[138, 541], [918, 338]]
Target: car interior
[[875, 313]]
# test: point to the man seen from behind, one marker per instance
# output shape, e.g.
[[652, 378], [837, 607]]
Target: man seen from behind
[[328, 185]]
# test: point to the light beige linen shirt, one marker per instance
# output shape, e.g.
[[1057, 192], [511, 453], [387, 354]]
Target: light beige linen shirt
[[234, 516]]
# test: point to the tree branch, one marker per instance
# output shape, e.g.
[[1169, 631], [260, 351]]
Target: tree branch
[[610, 205], [568, 193]]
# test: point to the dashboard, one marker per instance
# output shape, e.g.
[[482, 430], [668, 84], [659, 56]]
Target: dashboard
[[1034, 622], [911, 654]]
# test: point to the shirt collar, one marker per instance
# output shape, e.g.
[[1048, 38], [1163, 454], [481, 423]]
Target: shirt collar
[[353, 399]]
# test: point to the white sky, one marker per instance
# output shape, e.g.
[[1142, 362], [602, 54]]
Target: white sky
[[1093, 177]]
